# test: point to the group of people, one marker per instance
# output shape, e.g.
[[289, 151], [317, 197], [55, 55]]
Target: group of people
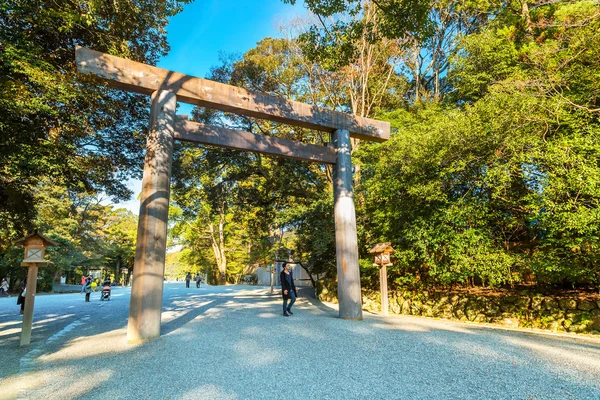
[[288, 288], [188, 279], [88, 284]]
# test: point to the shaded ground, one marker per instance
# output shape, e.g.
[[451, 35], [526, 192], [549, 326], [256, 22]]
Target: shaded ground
[[231, 343]]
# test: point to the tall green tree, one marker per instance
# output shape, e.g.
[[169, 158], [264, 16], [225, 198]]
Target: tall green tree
[[57, 124], [234, 200], [501, 181], [90, 235]]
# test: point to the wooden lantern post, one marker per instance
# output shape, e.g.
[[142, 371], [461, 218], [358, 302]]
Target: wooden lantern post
[[382, 252], [35, 249]]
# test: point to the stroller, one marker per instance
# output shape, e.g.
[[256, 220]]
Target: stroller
[[105, 294]]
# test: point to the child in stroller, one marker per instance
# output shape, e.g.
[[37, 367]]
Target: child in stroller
[[105, 294]]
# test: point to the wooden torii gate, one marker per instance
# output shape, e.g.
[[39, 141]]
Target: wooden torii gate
[[168, 87]]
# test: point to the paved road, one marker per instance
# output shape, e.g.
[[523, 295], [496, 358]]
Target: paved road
[[231, 343]]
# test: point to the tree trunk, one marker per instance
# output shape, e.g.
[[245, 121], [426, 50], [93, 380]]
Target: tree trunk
[[118, 270], [223, 266], [218, 247], [526, 16], [312, 280]]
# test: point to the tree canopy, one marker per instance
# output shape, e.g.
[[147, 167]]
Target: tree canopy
[[57, 124], [59, 129], [490, 176]]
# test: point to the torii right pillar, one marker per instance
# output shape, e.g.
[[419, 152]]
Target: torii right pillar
[[346, 243]]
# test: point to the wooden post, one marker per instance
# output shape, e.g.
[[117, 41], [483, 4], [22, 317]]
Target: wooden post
[[32, 273], [149, 266], [346, 246], [384, 289]]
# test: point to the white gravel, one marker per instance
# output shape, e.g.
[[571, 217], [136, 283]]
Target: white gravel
[[232, 343]]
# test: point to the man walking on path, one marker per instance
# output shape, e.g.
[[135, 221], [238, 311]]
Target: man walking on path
[[22, 294], [288, 289], [198, 280], [188, 278], [4, 288]]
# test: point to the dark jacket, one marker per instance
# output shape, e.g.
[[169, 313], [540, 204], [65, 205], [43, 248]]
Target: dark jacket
[[20, 297], [286, 286], [88, 286]]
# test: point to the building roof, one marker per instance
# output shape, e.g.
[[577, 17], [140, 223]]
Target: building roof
[[381, 247], [47, 242]]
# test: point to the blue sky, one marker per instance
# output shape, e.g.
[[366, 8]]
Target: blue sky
[[207, 27]]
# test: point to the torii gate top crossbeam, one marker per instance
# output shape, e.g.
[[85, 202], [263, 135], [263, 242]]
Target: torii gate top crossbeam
[[146, 79]]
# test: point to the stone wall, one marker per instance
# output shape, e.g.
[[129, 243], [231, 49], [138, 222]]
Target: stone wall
[[516, 309]]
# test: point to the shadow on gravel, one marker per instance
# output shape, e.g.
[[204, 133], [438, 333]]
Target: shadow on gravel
[[244, 348], [180, 321], [10, 331]]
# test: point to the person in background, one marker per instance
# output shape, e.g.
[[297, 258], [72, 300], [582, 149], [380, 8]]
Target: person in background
[[288, 289], [188, 278], [94, 285], [22, 294], [88, 288], [4, 288], [198, 280], [83, 279]]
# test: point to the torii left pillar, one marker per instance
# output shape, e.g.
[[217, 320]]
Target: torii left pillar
[[148, 272]]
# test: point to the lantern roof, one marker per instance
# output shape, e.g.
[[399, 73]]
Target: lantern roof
[[382, 247], [36, 235]]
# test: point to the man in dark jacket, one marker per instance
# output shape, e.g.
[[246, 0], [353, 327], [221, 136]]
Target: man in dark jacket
[[288, 289], [88, 288], [21, 297]]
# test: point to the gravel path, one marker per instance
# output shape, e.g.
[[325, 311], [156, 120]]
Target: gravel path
[[231, 343]]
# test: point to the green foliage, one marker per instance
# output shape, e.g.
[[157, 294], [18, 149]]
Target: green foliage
[[506, 184], [57, 124], [89, 235], [233, 204], [336, 44], [490, 184], [491, 176], [314, 236]]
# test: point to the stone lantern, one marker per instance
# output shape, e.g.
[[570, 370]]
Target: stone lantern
[[35, 250], [382, 253]]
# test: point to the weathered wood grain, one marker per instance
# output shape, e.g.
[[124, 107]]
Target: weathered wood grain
[[32, 275], [145, 305], [194, 132], [383, 287], [146, 79], [346, 242]]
